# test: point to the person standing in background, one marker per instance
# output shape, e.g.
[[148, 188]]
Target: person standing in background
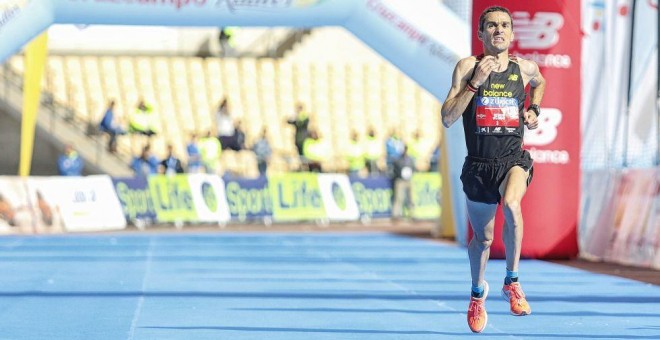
[[301, 124], [194, 155], [355, 155], [373, 152], [393, 150], [70, 163], [402, 172], [143, 120], [210, 151], [226, 38], [171, 165], [225, 125], [109, 125], [145, 164], [263, 152]]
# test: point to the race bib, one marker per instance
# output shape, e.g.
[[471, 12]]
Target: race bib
[[497, 116]]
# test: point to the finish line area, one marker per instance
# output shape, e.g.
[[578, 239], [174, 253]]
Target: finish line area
[[331, 285]]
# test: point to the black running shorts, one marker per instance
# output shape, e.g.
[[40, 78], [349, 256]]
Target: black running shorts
[[482, 177]]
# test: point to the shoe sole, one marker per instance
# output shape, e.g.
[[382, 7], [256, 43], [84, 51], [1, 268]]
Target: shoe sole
[[506, 297]]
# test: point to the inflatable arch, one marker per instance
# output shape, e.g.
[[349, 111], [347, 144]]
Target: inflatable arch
[[424, 41]]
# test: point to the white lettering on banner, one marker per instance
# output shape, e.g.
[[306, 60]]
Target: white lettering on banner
[[9, 10], [233, 5], [545, 134], [539, 32], [547, 60], [549, 156], [410, 30]]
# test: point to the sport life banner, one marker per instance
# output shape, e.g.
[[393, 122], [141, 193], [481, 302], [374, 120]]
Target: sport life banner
[[248, 199], [309, 196], [373, 196], [135, 198], [426, 195], [547, 32]]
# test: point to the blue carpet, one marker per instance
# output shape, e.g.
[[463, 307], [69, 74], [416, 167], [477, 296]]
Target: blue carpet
[[294, 286]]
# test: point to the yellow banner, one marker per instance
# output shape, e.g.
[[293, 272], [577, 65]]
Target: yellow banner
[[447, 227], [35, 60]]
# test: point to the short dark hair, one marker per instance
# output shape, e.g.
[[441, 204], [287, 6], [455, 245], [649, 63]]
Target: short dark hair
[[482, 17]]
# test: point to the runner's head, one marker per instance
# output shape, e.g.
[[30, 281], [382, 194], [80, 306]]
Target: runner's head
[[496, 29]]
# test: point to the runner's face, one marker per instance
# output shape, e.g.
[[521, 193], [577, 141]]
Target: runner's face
[[497, 32]]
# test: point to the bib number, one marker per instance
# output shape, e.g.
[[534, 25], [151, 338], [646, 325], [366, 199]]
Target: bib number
[[497, 116]]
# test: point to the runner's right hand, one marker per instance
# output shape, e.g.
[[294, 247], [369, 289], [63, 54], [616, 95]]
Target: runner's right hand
[[483, 70]]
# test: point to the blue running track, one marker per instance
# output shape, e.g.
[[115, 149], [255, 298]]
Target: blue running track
[[294, 286]]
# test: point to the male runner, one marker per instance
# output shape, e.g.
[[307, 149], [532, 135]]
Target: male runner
[[488, 91]]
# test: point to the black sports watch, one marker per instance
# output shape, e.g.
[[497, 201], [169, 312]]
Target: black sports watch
[[535, 108]]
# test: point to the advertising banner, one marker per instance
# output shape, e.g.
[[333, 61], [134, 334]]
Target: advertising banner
[[135, 198], [548, 32], [635, 218], [173, 199], [338, 197], [78, 203], [599, 189], [17, 214], [426, 195], [20, 22], [248, 199], [208, 194], [373, 196], [296, 196], [621, 217]]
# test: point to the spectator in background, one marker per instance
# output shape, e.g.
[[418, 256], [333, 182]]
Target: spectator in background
[[314, 152], [301, 124], [373, 152], [143, 120], [227, 41], [355, 155], [403, 169], [263, 152], [434, 160], [238, 140], [109, 125], [210, 151], [416, 146], [171, 165], [146, 164], [194, 155], [224, 124], [69, 163], [393, 150]]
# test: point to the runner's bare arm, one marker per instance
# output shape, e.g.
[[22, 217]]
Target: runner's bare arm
[[531, 71], [536, 82], [459, 96]]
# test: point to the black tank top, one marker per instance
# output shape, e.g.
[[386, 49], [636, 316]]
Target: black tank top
[[493, 121]]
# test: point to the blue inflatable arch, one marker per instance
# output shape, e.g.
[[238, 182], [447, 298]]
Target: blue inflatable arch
[[424, 40]]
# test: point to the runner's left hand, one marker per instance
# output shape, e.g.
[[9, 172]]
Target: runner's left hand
[[531, 120]]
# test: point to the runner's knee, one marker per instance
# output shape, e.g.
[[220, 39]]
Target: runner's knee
[[511, 204], [484, 241]]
